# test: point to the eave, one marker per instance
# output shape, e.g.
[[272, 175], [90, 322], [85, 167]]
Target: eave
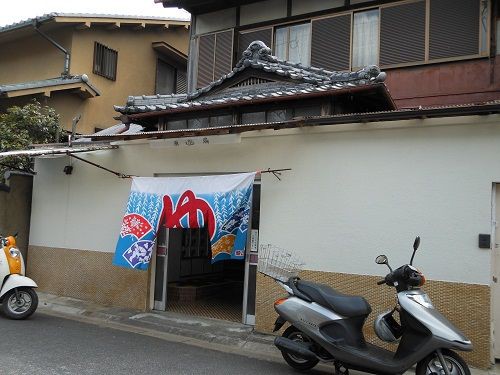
[[170, 52], [78, 86], [479, 109], [203, 6]]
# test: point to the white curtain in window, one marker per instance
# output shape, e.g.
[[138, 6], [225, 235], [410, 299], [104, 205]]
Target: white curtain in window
[[300, 44], [281, 43], [365, 38]]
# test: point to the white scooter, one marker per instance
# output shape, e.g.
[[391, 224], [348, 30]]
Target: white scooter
[[17, 296]]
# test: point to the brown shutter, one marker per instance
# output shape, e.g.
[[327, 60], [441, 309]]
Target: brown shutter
[[181, 82], [223, 53], [206, 48], [454, 28], [245, 38], [402, 33], [331, 42]]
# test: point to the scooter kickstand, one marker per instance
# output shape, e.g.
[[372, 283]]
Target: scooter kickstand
[[340, 369]]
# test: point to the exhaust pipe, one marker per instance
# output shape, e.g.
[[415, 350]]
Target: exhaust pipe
[[295, 348]]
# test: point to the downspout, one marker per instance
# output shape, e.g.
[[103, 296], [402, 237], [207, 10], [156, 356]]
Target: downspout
[[65, 73]]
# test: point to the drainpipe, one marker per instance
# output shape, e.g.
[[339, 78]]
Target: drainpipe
[[65, 73]]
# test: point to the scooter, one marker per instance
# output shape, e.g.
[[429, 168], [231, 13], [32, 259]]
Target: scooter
[[327, 326], [17, 296]]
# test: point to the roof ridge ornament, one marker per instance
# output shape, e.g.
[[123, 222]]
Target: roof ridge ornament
[[257, 50], [370, 73]]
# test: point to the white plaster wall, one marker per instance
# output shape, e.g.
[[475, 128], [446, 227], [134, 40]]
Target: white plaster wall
[[303, 7], [262, 11], [350, 196], [215, 21]]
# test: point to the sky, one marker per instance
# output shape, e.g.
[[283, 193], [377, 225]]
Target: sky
[[19, 10]]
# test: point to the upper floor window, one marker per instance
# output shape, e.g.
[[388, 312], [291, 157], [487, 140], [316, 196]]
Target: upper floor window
[[169, 79], [105, 61], [293, 43], [365, 39]]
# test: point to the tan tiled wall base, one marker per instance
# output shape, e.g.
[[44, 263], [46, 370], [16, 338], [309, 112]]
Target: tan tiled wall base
[[87, 275], [466, 305]]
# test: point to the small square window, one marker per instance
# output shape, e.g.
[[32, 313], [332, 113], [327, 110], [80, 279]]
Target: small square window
[[105, 61]]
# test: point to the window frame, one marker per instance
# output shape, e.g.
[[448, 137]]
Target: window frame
[[427, 61], [288, 26], [101, 54]]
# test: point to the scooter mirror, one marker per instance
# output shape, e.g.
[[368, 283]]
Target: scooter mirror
[[416, 244], [381, 259]]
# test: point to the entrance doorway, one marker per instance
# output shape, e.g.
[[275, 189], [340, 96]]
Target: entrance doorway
[[194, 285], [186, 282], [495, 285]]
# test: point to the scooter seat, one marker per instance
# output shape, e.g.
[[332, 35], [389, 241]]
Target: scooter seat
[[348, 306]]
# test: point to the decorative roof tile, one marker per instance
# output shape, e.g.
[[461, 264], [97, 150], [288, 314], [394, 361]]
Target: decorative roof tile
[[299, 79]]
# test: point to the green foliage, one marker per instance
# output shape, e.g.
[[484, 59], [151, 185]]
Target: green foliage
[[21, 127]]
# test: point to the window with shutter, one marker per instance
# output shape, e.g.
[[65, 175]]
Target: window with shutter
[[105, 61], [402, 33], [454, 28], [206, 50], [329, 52], [165, 78], [223, 53], [214, 56], [245, 38], [181, 82]]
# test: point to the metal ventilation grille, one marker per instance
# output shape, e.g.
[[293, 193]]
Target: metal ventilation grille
[[251, 81], [206, 60], [223, 53], [331, 42], [402, 33], [244, 39], [454, 28]]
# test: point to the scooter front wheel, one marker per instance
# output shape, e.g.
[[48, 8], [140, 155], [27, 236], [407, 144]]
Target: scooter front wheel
[[294, 361], [431, 365], [20, 306]]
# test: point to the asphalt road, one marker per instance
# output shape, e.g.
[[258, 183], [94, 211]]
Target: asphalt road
[[51, 345]]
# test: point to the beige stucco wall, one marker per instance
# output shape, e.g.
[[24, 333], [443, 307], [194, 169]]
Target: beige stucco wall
[[33, 58], [136, 71]]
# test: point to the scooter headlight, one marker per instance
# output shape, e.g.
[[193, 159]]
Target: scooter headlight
[[14, 252], [15, 260]]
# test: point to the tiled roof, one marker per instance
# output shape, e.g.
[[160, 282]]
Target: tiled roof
[[118, 129], [50, 16], [48, 83], [293, 79]]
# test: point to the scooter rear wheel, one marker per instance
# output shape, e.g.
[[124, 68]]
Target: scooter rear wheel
[[296, 362], [20, 308], [432, 366]]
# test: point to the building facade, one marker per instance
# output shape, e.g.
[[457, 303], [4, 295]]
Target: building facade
[[372, 157], [82, 64]]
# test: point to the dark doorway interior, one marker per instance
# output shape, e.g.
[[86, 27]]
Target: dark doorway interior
[[195, 286]]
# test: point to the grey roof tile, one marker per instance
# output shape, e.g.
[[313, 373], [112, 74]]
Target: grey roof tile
[[48, 83], [301, 80]]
